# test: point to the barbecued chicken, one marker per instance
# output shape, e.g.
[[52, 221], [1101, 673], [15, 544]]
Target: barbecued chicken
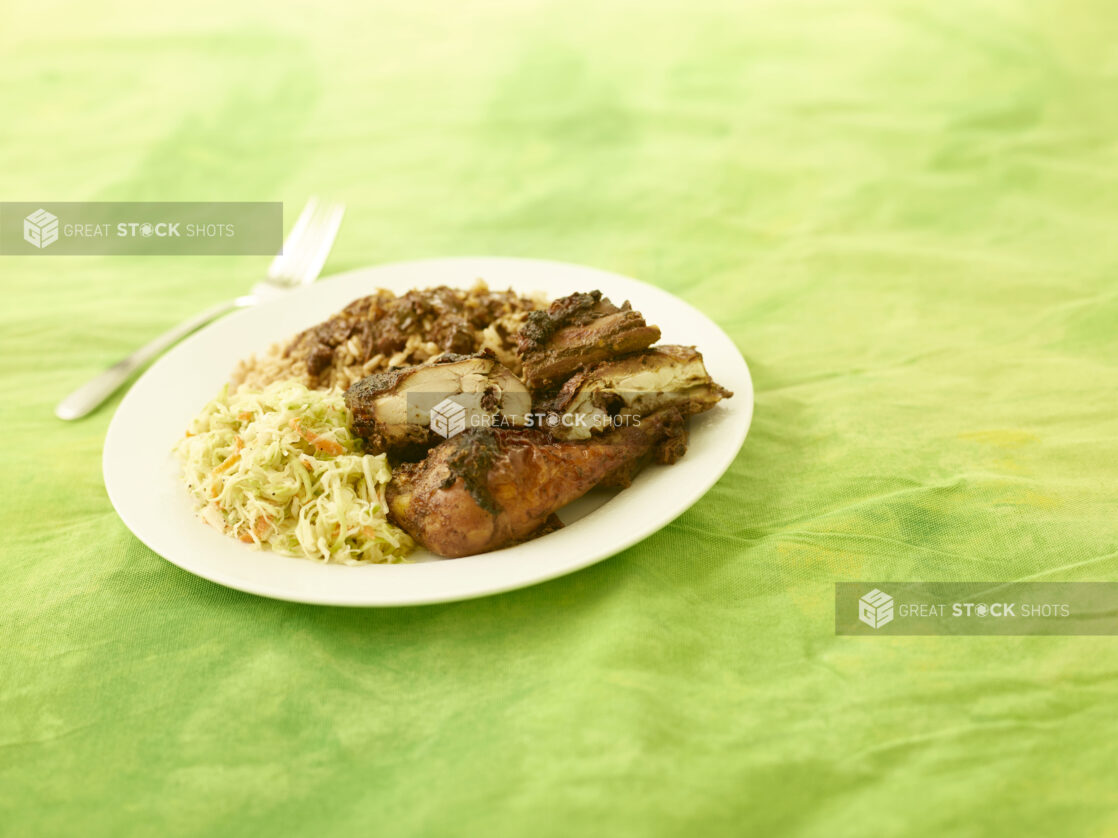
[[392, 410], [488, 488], [636, 385], [575, 332]]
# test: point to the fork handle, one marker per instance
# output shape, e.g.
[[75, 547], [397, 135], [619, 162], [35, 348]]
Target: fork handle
[[93, 393]]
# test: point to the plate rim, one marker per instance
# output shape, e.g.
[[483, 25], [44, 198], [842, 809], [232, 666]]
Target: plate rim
[[634, 535]]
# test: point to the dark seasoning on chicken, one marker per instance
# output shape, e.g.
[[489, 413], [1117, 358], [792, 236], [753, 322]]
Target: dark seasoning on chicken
[[494, 486]]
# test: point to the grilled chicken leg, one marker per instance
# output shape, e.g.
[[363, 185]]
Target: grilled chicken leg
[[489, 488]]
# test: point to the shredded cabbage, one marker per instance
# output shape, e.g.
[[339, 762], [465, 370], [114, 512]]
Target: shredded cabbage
[[280, 469]]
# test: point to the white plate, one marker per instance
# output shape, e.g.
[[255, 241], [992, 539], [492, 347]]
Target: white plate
[[142, 475]]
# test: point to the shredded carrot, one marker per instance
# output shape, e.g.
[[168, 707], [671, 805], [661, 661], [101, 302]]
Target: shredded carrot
[[244, 415], [260, 528], [319, 442], [229, 462]]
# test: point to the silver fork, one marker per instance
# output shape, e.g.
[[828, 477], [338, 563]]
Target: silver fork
[[299, 263]]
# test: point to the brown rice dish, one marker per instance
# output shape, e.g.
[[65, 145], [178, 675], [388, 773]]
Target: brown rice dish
[[381, 331]]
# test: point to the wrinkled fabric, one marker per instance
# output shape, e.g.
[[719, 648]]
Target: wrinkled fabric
[[902, 212]]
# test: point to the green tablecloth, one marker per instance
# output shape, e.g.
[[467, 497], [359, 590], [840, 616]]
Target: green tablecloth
[[904, 214]]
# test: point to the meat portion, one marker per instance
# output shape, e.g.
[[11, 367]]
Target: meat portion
[[392, 410], [575, 332], [664, 376], [390, 330], [487, 489]]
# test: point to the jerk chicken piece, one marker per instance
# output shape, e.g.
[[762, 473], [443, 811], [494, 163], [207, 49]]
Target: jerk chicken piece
[[575, 332], [488, 488], [392, 410], [636, 385]]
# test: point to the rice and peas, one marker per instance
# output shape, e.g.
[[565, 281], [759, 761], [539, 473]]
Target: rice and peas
[[272, 461]]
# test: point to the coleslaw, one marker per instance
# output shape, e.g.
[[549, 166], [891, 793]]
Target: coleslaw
[[279, 468]]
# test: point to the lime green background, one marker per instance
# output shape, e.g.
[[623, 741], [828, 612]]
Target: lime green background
[[903, 212]]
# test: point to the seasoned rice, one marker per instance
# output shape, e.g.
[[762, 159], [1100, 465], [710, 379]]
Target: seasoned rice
[[381, 331]]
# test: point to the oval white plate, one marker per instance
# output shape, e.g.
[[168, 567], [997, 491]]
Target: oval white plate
[[142, 475]]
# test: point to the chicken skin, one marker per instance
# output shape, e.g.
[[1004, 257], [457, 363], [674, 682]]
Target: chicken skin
[[575, 332], [392, 410], [488, 488], [635, 385]]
